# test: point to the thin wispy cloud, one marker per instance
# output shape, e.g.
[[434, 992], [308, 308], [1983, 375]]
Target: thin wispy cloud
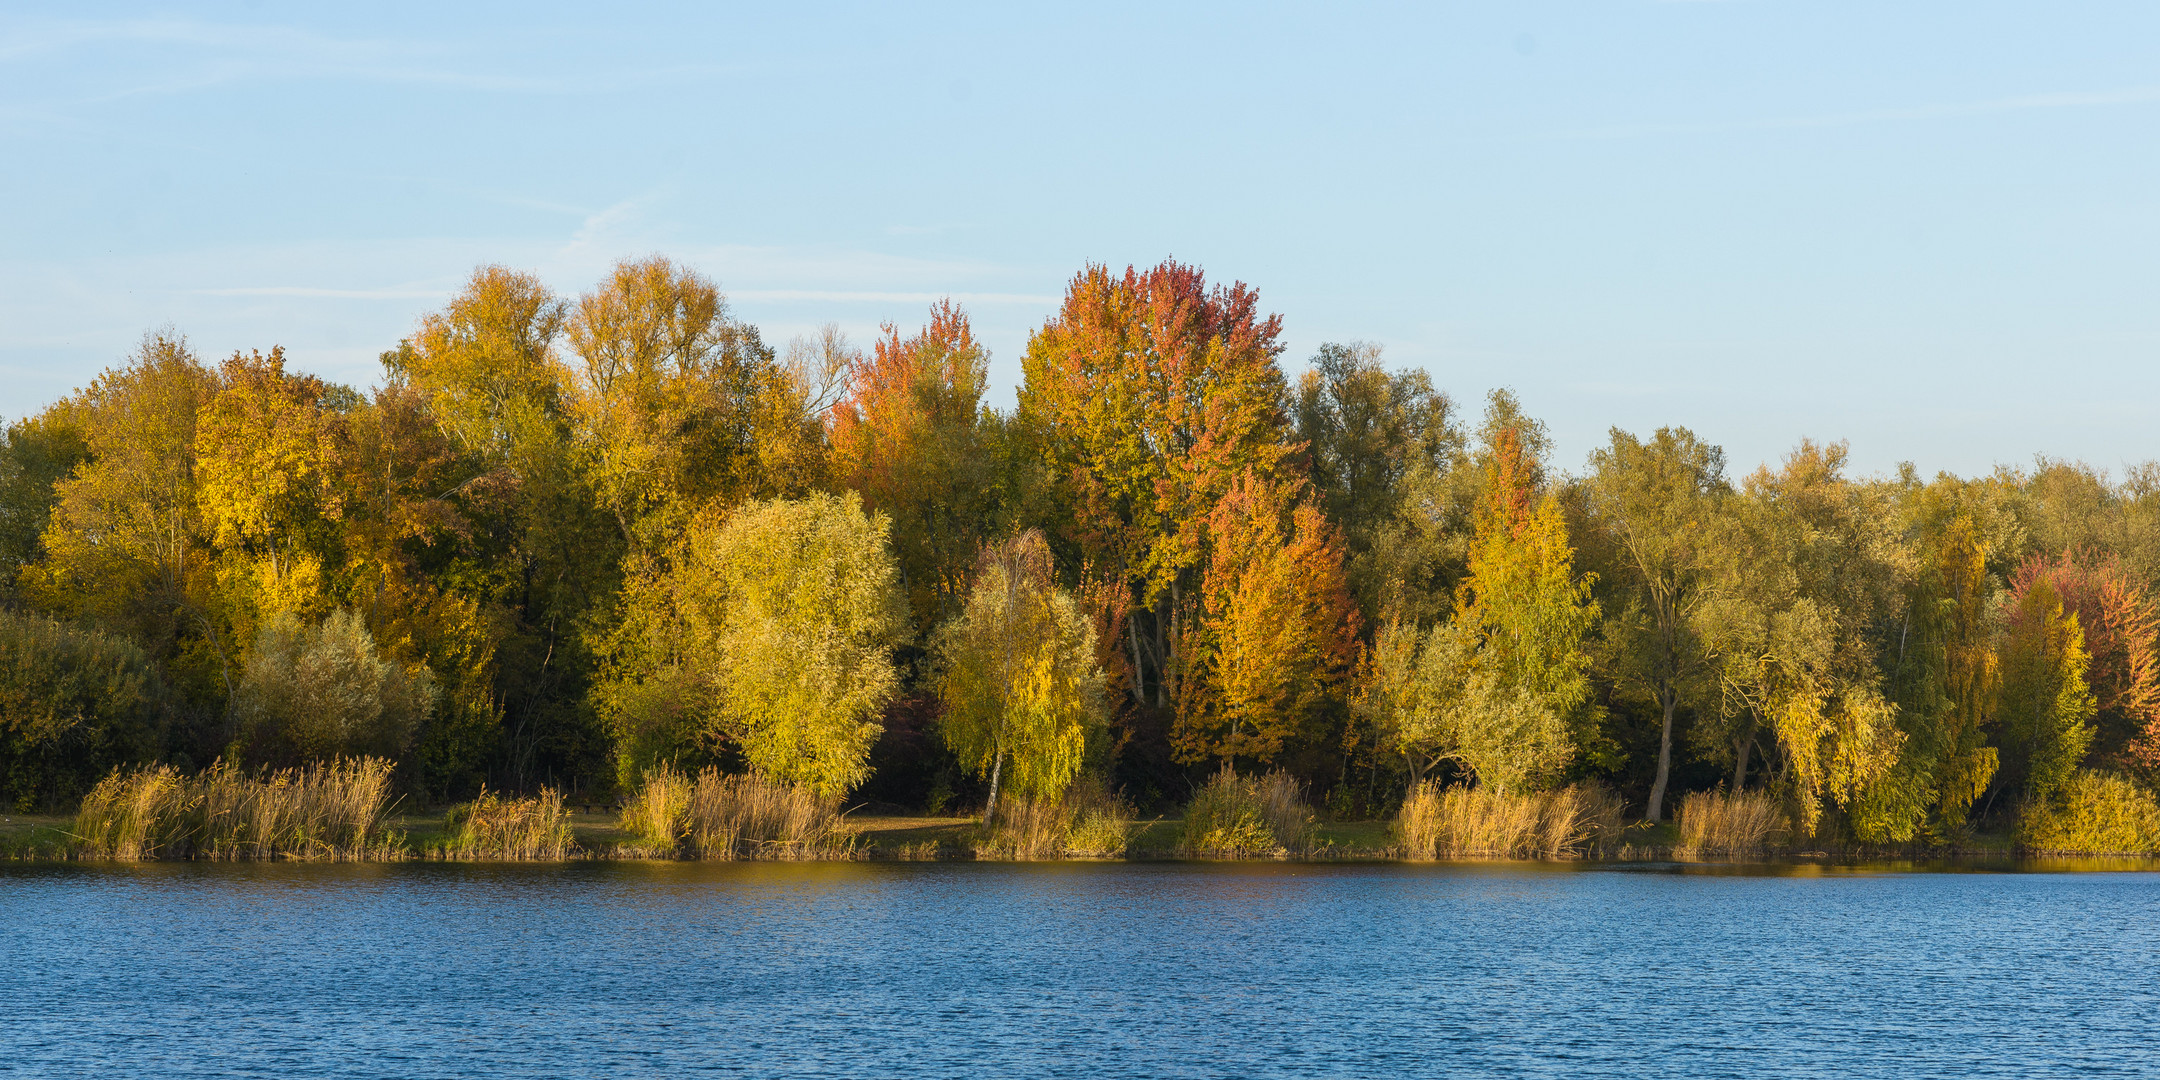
[[2135, 95], [828, 296], [326, 294]]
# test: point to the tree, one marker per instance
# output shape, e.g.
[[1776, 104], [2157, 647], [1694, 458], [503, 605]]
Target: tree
[[1148, 394], [1653, 500], [2047, 709], [2122, 637], [74, 704], [913, 438], [35, 454], [1501, 688], [1278, 634], [1803, 574], [1382, 449], [1020, 680], [786, 613], [319, 691], [125, 545]]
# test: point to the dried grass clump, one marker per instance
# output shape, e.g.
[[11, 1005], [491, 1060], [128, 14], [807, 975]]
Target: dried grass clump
[[2094, 813], [1461, 822], [1237, 817], [718, 816], [334, 810], [1089, 821], [492, 827], [1730, 823]]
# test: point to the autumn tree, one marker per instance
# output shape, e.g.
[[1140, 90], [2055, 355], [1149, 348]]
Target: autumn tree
[[2047, 709], [1502, 687], [1653, 501], [778, 635], [74, 704], [1021, 687], [913, 438], [1277, 638], [36, 453], [125, 544], [1148, 394], [2121, 628]]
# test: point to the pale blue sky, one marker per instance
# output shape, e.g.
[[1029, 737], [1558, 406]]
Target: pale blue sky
[[1931, 229]]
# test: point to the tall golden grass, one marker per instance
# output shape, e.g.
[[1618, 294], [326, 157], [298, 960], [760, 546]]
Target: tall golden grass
[[492, 827], [334, 810], [1088, 821], [1731, 823], [2095, 813], [717, 816], [1239, 817], [1480, 822]]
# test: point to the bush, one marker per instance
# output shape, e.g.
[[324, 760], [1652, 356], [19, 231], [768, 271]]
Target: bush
[[492, 827], [1089, 820], [1480, 822], [1240, 817], [2092, 813], [329, 811], [1730, 823], [718, 816], [321, 691], [74, 704]]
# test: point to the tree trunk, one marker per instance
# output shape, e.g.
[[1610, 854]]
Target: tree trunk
[[1740, 752], [1668, 700], [997, 767], [1139, 674]]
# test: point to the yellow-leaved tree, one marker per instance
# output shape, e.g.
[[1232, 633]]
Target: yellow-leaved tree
[[1021, 686], [788, 612]]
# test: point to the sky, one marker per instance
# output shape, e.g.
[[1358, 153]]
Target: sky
[[1929, 229]]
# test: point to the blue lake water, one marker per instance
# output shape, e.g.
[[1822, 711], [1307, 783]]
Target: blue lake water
[[1095, 970]]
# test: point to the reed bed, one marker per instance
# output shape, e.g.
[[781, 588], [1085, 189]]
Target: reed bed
[[1089, 821], [493, 827], [1724, 822], [334, 810], [2095, 813], [1468, 823], [1239, 817], [721, 817]]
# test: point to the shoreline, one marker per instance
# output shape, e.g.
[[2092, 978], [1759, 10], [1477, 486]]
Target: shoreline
[[29, 838]]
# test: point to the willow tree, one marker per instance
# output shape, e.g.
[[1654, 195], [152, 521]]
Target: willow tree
[[788, 611], [1021, 685], [2047, 710]]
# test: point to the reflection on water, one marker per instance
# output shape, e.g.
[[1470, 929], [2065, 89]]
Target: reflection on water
[[1171, 969]]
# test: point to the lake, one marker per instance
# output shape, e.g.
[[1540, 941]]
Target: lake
[[1095, 970]]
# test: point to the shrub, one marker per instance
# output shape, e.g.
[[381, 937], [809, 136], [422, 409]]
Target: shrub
[[492, 827], [74, 704], [333, 810], [319, 691], [1242, 817], [1089, 820], [718, 816], [1730, 823], [1462, 822], [2092, 813]]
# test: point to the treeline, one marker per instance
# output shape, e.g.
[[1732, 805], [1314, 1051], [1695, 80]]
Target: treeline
[[573, 540]]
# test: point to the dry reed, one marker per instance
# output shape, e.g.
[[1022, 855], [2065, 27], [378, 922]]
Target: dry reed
[[1461, 822], [718, 816], [1242, 817], [1724, 822], [492, 827], [334, 810]]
